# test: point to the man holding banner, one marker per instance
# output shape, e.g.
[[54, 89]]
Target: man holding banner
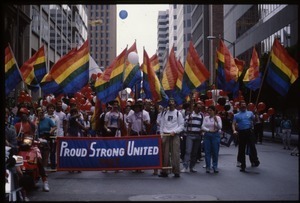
[[172, 123]]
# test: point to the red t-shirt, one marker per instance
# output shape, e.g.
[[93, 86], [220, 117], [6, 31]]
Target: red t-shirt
[[27, 128]]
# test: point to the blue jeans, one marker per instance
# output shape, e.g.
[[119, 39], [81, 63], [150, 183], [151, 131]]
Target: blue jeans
[[192, 145], [211, 148]]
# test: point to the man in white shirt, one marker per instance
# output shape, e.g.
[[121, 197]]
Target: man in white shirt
[[172, 123], [113, 120], [62, 125], [138, 120]]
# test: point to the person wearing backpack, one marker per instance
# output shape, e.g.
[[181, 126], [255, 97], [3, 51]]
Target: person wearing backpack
[[171, 124], [286, 126]]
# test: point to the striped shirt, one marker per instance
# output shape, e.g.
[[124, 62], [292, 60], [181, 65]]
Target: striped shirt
[[193, 123]]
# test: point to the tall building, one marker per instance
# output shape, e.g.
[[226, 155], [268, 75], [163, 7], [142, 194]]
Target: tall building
[[173, 24], [162, 37], [259, 24], [184, 27], [102, 33], [180, 25]]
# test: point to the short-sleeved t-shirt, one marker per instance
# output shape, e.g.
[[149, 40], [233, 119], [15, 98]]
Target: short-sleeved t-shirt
[[45, 125], [244, 119]]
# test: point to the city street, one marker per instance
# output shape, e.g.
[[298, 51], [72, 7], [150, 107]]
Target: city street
[[277, 178]]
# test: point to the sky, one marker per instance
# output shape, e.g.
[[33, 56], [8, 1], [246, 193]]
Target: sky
[[140, 25]]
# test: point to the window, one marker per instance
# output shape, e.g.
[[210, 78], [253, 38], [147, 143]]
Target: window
[[35, 20], [189, 23], [189, 35], [248, 20]]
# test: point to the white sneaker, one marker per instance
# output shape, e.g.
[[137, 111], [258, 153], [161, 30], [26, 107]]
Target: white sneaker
[[184, 170], [46, 186], [26, 199], [238, 164], [193, 170]]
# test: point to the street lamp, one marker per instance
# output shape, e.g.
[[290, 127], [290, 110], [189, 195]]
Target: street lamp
[[232, 43]]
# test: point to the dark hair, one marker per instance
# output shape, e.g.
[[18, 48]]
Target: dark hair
[[212, 108], [139, 105], [171, 99], [50, 105], [186, 105], [73, 110]]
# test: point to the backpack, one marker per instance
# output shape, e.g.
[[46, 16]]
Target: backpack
[[164, 113]]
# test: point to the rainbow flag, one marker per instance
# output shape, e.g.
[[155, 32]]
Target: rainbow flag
[[48, 84], [70, 73], [132, 73], [226, 79], [12, 73], [154, 62], [252, 78], [95, 119], [240, 65], [40, 67], [180, 71], [152, 88], [34, 69], [170, 74], [195, 72], [282, 69], [108, 85]]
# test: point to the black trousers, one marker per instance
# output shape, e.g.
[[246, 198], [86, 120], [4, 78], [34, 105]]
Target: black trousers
[[259, 131], [247, 137]]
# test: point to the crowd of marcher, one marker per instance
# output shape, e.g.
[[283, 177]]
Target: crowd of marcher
[[187, 131]]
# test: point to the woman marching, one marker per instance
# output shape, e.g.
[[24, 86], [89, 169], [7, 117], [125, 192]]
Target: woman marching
[[211, 126]]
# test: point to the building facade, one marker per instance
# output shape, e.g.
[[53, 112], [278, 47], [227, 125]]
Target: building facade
[[258, 24], [58, 27], [162, 38], [184, 28], [102, 33]]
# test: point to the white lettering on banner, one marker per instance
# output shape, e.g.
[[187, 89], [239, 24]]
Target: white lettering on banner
[[138, 151], [132, 150], [101, 152], [65, 151]]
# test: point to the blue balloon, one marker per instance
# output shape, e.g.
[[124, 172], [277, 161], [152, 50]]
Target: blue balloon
[[123, 14]]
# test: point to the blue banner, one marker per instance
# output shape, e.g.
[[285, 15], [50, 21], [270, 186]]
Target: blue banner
[[116, 153]]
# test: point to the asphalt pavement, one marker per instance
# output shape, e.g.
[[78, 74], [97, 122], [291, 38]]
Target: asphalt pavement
[[275, 179]]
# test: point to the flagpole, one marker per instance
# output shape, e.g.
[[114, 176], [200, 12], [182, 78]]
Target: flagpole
[[263, 79]]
